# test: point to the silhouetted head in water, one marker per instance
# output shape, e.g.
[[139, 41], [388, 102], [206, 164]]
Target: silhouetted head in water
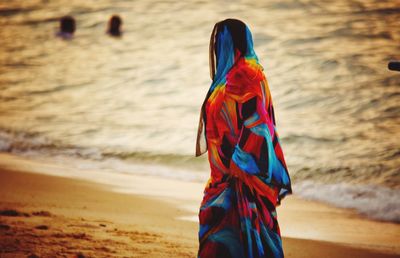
[[67, 25], [114, 26], [237, 31]]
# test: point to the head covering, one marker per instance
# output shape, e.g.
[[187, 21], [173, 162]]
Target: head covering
[[223, 56]]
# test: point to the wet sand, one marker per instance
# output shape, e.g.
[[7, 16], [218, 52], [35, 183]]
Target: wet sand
[[60, 216]]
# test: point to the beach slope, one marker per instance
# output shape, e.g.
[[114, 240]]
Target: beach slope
[[57, 216]]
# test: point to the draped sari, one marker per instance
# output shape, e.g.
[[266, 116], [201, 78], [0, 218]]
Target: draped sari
[[249, 176]]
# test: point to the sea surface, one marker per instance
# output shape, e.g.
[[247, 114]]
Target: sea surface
[[131, 104]]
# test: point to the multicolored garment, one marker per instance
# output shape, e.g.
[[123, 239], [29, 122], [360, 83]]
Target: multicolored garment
[[248, 172]]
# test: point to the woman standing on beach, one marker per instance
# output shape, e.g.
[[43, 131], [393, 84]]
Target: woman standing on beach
[[249, 176]]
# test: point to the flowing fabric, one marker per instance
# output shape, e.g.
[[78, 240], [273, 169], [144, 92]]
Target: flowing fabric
[[249, 176]]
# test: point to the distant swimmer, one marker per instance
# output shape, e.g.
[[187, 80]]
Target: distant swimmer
[[394, 66], [114, 26], [67, 27]]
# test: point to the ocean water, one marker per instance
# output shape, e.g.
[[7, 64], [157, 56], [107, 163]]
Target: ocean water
[[131, 104]]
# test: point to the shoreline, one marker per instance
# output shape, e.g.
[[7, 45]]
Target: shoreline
[[155, 214]]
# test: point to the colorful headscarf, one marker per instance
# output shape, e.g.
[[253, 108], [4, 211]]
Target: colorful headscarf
[[226, 57]]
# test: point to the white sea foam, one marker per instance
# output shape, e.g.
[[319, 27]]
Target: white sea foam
[[29, 144], [13, 141], [373, 201]]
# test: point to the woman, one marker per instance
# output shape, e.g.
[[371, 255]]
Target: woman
[[248, 171]]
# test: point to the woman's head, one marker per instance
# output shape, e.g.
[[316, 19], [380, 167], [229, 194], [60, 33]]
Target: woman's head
[[230, 40], [237, 30]]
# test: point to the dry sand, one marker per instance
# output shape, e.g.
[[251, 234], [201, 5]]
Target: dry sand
[[46, 212]]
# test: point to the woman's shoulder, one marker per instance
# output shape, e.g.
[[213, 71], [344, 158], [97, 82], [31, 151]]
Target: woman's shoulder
[[243, 81]]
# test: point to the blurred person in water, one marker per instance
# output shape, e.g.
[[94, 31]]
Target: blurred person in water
[[114, 26], [394, 66], [67, 27], [249, 176]]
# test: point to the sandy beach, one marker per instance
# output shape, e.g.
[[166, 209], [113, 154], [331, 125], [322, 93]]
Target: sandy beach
[[48, 211]]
